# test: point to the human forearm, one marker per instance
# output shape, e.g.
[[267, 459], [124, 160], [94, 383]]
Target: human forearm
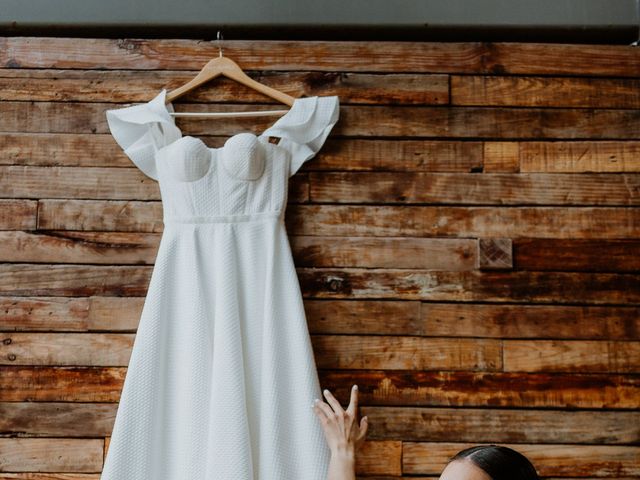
[[342, 466]]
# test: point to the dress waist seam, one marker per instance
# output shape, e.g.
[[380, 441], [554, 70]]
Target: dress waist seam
[[250, 217]]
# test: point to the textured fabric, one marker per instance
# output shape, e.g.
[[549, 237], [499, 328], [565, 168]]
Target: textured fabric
[[222, 375]]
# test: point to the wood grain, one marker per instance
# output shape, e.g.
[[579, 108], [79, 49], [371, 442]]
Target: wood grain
[[392, 353], [479, 189], [530, 321], [502, 425], [485, 389], [550, 460], [57, 419], [571, 356], [288, 55], [61, 384], [50, 455], [616, 255], [532, 91], [465, 242]]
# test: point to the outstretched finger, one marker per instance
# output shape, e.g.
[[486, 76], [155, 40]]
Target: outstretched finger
[[333, 402], [364, 426], [322, 409], [353, 402]]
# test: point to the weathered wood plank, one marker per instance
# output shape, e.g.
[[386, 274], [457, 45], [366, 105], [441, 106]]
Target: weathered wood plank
[[502, 425], [486, 286], [60, 149], [77, 183], [61, 384], [115, 313], [571, 356], [505, 222], [389, 252], [366, 317], [582, 156], [289, 55], [18, 214], [121, 216], [400, 353], [70, 314], [379, 458], [501, 157], [50, 454], [79, 349], [79, 247], [39, 313], [481, 389], [562, 59], [533, 91], [550, 460], [56, 419], [33, 279], [622, 255], [529, 321], [471, 188]]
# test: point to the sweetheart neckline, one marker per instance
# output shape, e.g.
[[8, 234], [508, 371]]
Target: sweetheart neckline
[[218, 150]]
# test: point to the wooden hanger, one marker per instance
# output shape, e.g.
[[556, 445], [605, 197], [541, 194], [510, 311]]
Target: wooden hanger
[[227, 67]]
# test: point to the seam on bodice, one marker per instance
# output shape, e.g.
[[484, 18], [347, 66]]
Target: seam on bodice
[[249, 217]]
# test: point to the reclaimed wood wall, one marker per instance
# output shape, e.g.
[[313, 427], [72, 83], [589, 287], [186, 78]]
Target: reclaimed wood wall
[[467, 243]]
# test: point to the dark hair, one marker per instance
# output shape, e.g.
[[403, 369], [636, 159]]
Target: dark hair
[[500, 463]]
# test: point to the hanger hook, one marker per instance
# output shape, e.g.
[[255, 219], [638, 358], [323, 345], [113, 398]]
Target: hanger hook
[[220, 43]]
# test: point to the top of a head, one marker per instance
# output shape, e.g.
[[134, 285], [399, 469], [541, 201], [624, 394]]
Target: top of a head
[[500, 463]]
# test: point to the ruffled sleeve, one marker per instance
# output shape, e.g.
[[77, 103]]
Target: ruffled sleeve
[[141, 129], [304, 129]]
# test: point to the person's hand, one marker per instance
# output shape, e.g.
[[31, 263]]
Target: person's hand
[[341, 429]]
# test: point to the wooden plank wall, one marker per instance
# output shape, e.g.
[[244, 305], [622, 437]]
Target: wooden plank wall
[[467, 243]]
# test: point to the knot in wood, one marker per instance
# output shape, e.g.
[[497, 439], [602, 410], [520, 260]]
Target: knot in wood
[[335, 283]]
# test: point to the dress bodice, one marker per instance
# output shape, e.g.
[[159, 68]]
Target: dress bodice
[[246, 177]]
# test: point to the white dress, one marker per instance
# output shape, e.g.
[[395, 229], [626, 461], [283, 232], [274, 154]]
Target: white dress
[[222, 375]]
